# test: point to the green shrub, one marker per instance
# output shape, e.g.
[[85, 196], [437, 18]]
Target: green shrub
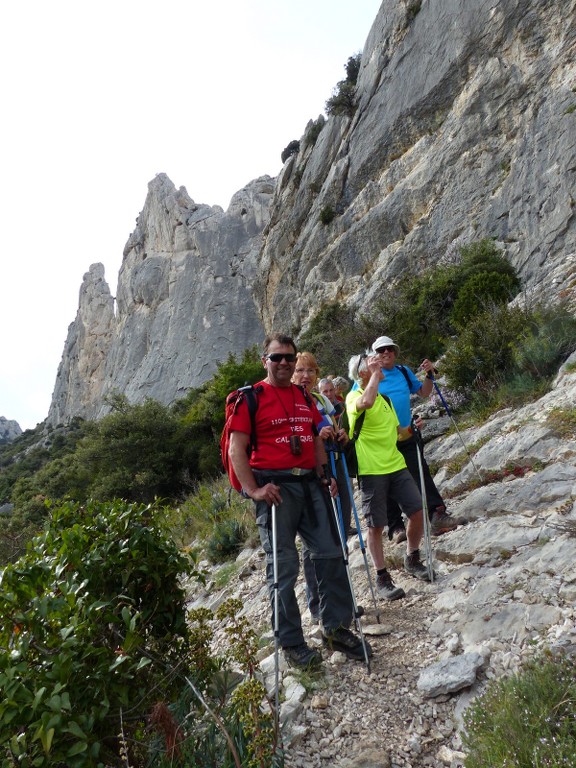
[[313, 130], [327, 214], [29, 452], [15, 534], [333, 336], [219, 516], [226, 541], [508, 355], [484, 351], [236, 729], [549, 339], [92, 621], [413, 9], [291, 149], [343, 100], [525, 721], [134, 454], [477, 291], [100, 664], [137, 452], [483, 256], [511, 390], [352, 68], [422, 313]]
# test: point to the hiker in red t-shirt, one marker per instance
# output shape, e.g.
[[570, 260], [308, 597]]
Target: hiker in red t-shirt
[[287, 468]]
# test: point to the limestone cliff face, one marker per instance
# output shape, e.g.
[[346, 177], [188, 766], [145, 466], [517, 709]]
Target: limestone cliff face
[[81, 377], [184, 302], [465, 129]]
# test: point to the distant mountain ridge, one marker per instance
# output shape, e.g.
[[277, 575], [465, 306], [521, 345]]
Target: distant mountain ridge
[[465, 128], [9, 430]]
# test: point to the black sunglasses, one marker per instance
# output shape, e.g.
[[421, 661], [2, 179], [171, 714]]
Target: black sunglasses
[[277, 357]]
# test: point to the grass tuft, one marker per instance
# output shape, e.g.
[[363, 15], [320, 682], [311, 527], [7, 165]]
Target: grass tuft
[[525, 721]]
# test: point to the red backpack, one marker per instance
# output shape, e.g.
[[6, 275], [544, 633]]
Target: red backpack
[[233, 400]]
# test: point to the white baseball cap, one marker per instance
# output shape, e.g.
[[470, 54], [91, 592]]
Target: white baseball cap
[[384, 341]]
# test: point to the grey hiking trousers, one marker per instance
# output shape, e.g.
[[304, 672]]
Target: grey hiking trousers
[[305, 511]]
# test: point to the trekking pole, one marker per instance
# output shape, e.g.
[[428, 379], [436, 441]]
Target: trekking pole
[[425, 517], [276, 616], [339, 515], [360, 538], [336, 506], [449, 412]]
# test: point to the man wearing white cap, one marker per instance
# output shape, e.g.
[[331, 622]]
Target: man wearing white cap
[[398, 384]]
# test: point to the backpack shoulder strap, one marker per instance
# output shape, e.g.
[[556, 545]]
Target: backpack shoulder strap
[[307, 397], [402, 369], [358, 425], [250, 392]]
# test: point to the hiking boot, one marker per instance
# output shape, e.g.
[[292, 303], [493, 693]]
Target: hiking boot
[[398, 536], [386, 588], [442, 523], [342, 639], [414, 566], [302, 656]]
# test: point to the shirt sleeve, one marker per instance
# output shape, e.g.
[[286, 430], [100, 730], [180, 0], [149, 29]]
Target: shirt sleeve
[[351, 400], [415, 383]]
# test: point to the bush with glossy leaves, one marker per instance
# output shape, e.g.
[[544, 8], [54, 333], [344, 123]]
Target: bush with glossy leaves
[[92, 630]]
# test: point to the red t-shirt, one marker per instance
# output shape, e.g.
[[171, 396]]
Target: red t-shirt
[[281, 413]]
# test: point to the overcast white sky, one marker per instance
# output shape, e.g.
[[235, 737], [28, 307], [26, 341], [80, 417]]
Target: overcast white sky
[[98, 98]]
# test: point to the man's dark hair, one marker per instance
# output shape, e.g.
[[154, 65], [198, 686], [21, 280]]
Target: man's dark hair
[[281, 338]]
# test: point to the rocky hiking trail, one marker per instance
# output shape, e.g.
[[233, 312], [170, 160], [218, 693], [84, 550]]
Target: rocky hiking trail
[[505, 590], [356, 718]]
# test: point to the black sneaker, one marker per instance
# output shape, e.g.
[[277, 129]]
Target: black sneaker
[[414, 566], [342, 639], [386, 588], [302, 656]]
